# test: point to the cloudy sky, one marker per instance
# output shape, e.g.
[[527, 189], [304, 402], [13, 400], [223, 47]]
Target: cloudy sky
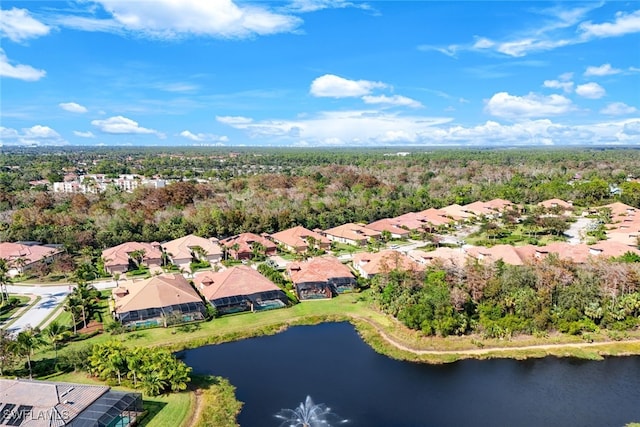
[[319, 73]]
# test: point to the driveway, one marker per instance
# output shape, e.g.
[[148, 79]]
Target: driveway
[[578, 230], [51, 298]]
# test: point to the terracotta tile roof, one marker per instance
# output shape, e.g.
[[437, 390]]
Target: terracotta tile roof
[[610, 249], [508, 254], [456, 212], [389, 224], [351, 231], [627, 237], [577, 253], [552, 203], [378, 262], [619, 209], [319, 269], [234, 281], [498, 204], [47, 397], [158, 291], [411, 221], [478, 209], [181, 248], [246, 240], [436, 216], [30, 253], [119, 255], [446, 256], [296, 237]]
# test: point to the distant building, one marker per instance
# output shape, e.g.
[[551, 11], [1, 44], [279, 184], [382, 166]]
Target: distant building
[[29, 403], [370, 264], [98, 183]]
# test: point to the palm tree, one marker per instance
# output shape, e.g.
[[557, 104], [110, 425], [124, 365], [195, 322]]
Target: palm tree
[[137, 257], [56, 334], [4, 279], [27, 341], [86, 296], [71, 305], [7, 355]]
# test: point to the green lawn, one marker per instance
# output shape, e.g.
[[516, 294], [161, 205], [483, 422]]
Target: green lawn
[[6, 314]]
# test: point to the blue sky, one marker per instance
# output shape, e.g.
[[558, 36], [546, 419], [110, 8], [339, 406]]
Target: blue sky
[[319, 73]]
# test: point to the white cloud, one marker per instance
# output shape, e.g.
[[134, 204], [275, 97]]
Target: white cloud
[[334, 86], [35, 135], [603, 70], [618, 109], [483, 43], [234, 120], [557, 84], [362, 127], [392, 100], [560, 27], [302, 6], [87, 134], [590, 90], [502, 104], [203, 137], [20, 72], [18, 25], [625, 23], [171, 19], [73, 107], [522, 47], [122, 125]]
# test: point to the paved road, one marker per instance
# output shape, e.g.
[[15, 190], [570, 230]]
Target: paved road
[[51, 299], [578, 230]]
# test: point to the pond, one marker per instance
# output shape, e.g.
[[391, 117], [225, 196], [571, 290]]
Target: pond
[[330, 363]]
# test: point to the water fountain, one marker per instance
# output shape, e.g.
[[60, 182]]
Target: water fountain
[[309, 414]]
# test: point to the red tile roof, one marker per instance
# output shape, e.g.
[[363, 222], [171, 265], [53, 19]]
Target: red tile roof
[[234, 281], [158, 291], [119, 255], [297, 237], [354, 232], [319, 269], [378, 262], [181, 248]]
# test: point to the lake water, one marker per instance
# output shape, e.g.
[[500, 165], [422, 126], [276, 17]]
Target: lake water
[[335, 367]]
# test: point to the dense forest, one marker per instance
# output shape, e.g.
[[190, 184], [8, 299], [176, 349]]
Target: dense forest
[[219, 193], [498, 300]]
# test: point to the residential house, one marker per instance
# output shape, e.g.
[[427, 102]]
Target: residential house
[[578, 254], [390, 225], [191, 248], [352, 234], [246, 245], [457, 213], [320, 277], [239, 288], [513, 255], [22, 257], [447, 257], [369, 264], [557, 205], [299, 239], [611, 249], [158, 301], [31, 403], [436, 217], [126, 256]]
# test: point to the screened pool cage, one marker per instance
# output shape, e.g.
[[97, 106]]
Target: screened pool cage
[[112, 409], [255, 302], [163, 316]]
